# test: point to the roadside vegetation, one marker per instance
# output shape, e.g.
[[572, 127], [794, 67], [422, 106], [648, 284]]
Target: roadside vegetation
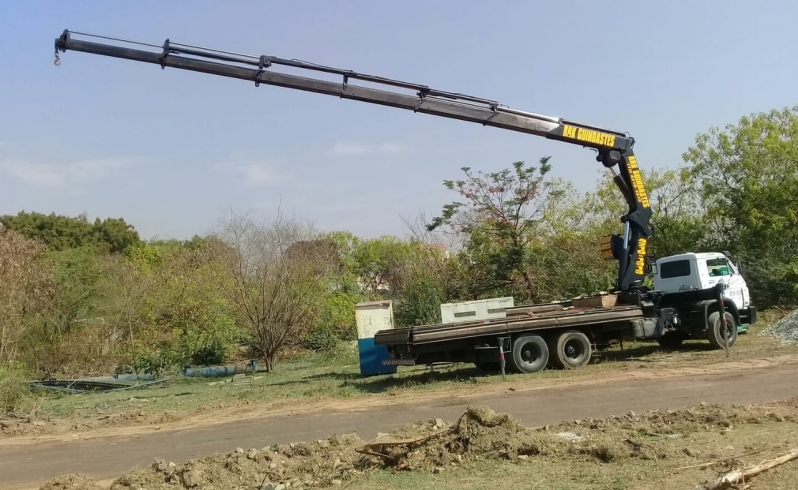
[[82, 298]]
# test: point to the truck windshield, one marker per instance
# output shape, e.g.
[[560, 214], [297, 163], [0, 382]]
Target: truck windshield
[[675, 268], [718, 267]]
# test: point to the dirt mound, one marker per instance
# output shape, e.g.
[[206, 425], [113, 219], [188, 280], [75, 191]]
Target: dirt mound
[[73, 482], [785, 329], [13, 427], [303, 465], [432, 445]]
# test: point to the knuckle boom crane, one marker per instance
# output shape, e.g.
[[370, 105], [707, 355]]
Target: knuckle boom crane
[[560, 334], [614, 149]]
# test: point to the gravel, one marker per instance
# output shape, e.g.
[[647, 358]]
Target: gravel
[[785, 330]]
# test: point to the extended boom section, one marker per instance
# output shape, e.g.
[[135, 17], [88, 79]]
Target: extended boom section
[[614, 148]]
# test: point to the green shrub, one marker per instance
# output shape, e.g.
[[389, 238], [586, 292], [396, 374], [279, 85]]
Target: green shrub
[[13, 387], [214, 351], [155, 361]]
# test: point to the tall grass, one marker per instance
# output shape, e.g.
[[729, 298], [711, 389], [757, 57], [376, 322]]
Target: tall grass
[[14, 390]]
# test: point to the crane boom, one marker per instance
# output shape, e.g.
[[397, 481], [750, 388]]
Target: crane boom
[[614, 148]]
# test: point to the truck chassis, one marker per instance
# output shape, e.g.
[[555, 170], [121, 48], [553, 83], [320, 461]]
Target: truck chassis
[[566, 334]]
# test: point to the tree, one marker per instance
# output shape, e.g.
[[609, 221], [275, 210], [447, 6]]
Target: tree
[[748, 178], [500, 215], [678, 219], [276, 294], [114, 234], [77, 291], [55, 231], [59, 232], [25, 285]]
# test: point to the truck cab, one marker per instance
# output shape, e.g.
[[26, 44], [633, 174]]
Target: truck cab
[[692, 271]]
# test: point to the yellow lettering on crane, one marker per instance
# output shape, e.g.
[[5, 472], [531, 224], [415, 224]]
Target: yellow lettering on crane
[[640, 262], [588, 135], [569, 131], [637, 182]]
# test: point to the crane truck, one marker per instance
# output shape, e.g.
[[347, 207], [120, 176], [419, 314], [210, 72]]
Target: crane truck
[[684, 303]]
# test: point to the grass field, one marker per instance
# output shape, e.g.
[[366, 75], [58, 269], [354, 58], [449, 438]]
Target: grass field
[[335, 376]]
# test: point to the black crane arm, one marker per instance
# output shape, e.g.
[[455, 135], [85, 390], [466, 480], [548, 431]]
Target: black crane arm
[[614, 148]]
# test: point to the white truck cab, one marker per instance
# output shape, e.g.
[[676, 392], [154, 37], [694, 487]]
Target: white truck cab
[[690, 271]]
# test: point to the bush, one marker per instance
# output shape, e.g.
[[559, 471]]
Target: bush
[[155, 361], [214, 351], [322, 339], [335, 323], [13, 387]]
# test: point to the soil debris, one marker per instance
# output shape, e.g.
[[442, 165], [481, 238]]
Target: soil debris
[[433, 446], [74, 482], [14, 427]]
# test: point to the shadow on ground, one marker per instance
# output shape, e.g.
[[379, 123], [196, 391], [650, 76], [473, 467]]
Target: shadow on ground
[[468, 373]]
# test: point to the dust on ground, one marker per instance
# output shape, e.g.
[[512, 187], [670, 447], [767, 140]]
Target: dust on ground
[[431, 446], [31, 426]]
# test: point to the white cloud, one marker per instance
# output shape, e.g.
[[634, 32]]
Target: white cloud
[[350, 149], [58, 176], [258, 173]]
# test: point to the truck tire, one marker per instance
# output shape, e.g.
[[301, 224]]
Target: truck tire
[[530, 354], [570, 350], [715, 330]]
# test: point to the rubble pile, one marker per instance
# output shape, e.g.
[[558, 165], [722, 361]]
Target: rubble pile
[[784, 330]]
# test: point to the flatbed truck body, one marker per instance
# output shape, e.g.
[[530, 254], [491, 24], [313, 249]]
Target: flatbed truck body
[[565, 334]]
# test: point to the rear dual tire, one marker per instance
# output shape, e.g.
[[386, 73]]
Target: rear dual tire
[[530, 354], [567, 350], [570, 350]]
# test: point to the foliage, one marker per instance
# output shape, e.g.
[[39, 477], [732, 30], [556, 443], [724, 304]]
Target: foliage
[[13, 387], [747, 175], [336, 322], [25, 285], [77, 291], [422, 297], [59, 232], [501, 213], [79, 297]]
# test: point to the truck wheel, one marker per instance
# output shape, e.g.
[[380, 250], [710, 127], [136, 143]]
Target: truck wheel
[[570, 350], [530, 354], [715, 330]]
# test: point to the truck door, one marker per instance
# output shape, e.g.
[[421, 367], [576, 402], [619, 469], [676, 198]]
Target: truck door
[[720, 270]]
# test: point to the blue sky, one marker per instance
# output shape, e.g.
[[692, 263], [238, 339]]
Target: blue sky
[[172, 151]]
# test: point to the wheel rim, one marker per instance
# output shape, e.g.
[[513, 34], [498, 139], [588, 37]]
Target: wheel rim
[[573, 349], [530, 353], [731, 329]]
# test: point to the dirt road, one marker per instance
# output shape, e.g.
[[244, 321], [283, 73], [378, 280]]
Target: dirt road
[[27, 465]]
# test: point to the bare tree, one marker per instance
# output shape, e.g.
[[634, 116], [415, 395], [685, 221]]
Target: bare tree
[[274, 280]]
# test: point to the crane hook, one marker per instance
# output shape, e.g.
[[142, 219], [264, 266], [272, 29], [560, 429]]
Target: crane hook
[[57, 60]]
